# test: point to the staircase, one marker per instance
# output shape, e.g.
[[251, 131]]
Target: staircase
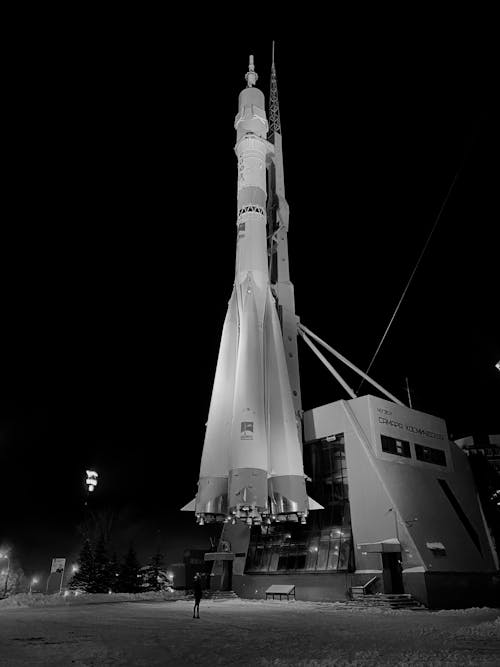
[[384, 600]]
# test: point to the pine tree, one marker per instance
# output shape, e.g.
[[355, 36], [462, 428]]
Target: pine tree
[[129, 580], [102, 578], [154, 575], [12, 580], [114, 572], [84, 577]]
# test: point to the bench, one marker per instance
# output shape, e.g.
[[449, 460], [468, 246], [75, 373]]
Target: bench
[[280, 589]]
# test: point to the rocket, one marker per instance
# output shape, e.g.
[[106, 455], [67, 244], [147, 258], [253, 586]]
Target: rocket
[[251, 466]]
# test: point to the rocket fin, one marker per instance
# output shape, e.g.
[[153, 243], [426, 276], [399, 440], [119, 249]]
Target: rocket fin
[[190, 507], [313, 505]]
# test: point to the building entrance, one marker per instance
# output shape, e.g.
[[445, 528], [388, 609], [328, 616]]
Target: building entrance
[[392, 572], [226, 580]]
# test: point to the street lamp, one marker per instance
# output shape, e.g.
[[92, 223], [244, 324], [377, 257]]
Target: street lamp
[[33, 581], [91, 480], [6, 555]]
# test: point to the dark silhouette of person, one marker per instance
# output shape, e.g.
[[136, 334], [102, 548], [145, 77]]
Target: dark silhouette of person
[[197, 596]]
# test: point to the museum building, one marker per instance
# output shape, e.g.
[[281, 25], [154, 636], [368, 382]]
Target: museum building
[[400, 509]]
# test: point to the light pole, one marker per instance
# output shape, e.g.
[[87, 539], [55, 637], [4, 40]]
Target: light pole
[[33, 581], [6, 555]]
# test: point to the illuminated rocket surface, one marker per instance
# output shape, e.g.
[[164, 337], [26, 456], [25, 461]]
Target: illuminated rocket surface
[[251, 466]]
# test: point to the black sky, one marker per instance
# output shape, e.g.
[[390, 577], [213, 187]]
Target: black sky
[[118, 238]]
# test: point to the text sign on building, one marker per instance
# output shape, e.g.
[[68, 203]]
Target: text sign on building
[[410, 435], [57, 565]]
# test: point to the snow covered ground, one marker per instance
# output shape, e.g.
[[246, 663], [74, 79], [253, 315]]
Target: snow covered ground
[[42, 600], [244, 632]]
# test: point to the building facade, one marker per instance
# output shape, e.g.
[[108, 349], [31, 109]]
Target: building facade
[[483, 452], [400, 508]]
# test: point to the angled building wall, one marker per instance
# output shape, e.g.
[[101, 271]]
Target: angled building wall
[[400, 506], [409, 485]]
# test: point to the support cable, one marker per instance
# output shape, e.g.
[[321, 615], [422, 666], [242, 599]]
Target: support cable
[[445, 201]]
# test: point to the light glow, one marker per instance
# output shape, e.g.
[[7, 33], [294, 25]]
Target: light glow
[[91, 480]]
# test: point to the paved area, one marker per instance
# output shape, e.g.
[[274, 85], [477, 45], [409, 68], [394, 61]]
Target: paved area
[[245, 633]]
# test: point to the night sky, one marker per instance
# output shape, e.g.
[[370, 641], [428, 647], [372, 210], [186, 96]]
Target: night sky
[[118, 240]]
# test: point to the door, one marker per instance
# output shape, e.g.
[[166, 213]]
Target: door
[[393, 573], [227, 575]]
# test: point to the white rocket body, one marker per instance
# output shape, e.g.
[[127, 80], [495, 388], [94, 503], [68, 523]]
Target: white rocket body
[[251, 467]]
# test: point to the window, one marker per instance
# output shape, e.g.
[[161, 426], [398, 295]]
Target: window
[[397, 447], [324, 544], [430, 455]]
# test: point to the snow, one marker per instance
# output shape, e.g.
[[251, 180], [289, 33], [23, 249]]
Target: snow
[[243, 632], [42, 600]]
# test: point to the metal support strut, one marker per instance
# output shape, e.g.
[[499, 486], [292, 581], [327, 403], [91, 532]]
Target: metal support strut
[[304, 331]]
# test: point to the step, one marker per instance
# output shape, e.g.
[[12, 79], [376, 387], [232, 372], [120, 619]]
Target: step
[[385, 600]]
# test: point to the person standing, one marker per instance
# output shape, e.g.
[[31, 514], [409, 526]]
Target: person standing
[[197, 595]]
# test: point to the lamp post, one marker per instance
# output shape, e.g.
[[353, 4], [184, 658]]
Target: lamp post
[[6, 555]]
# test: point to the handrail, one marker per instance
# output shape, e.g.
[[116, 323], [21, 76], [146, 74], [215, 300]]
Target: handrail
[[369, 583]]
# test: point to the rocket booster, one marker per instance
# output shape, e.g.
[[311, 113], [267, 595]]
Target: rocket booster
[[251, 467]]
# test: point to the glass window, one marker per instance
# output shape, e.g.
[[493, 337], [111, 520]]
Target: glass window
[[333, 556], [250, 556], [282, 556], [324, 547], [259, 552], [324, 543], [430, 455], [266, 558], [394, 446], [344, 552], [312, 553]]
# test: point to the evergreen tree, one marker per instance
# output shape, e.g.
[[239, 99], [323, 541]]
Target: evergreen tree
[[154, 575], [114, 572], [12, 580], [129, 579], [84, 577], [102, 578]]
